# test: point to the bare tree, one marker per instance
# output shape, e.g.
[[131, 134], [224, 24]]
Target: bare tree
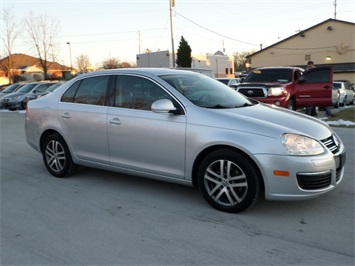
[[240, 59], [111, 63], [83, 63], [9, 33], [41, 31]]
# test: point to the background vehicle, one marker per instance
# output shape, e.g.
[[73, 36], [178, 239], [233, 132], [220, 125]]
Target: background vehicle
[[231, 82], [346, 93], [336, 97], [14, 100], [348, 83], [32, 95], [10, 89], [289, 87], [206, 72], [201, 132]]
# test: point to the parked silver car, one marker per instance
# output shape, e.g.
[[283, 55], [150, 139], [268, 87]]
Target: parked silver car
[[187, 128], [346, 93]]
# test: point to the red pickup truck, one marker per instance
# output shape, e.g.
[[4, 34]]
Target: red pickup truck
[[289, 87]]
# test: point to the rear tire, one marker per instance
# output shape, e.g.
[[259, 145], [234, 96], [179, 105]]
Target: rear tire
[[229, 181], [57, 157], [314, 111]]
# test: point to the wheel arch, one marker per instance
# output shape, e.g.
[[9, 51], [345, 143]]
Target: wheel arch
[[293, 100], [45, 134], [210, 149]]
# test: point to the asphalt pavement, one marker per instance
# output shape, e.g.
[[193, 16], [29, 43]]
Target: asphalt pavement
[[102, 218]]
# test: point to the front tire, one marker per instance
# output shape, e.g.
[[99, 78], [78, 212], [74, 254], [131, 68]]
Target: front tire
[[57, 157], [314, 111], [229, 181], [291, 105]]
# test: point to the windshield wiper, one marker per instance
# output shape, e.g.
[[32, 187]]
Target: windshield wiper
[[244, 105], [218, 106]]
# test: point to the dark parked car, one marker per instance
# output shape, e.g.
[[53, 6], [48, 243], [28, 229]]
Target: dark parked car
[[32, 95], [10, 89], [14, 100]]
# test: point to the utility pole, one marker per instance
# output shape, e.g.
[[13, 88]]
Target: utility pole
[[71, 62], [139, 42], [335, 9], [172, 4]]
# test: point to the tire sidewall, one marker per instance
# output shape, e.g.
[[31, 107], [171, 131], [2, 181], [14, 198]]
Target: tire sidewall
[[68, 165], [247, 167]]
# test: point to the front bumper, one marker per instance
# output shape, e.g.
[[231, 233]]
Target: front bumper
[[309, 176], [11, 104]]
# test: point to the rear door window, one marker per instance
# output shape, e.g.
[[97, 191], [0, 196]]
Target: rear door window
[[88, 91]]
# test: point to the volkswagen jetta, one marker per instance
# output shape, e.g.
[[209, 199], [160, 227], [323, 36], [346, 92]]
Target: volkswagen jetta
[[186, 128]]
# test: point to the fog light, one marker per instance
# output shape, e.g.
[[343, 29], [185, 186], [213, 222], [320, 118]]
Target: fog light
[[277, 103]]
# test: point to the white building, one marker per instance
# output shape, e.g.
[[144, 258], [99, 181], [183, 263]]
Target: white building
[[222, 65]]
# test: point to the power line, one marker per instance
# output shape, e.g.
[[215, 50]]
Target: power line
[[227, 37]]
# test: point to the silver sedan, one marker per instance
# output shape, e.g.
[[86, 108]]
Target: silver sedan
[[184, 127]]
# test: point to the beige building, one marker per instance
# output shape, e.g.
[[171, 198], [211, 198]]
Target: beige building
[[331, 42]]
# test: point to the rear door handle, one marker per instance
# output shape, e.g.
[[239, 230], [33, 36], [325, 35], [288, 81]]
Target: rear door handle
[[115, 121], [66, 115], [326, 87]]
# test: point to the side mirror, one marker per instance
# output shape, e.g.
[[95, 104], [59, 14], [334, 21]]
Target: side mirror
[[163, 106]]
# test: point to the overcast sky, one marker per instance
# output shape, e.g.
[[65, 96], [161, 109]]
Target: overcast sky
[[124, 28]]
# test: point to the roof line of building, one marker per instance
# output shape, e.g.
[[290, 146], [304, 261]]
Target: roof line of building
[[303, 31]]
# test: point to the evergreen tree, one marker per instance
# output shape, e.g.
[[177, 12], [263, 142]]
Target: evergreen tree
[[184, 54]]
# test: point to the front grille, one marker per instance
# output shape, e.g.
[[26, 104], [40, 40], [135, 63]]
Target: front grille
[[331, 144], [253, 92], [314, 181]]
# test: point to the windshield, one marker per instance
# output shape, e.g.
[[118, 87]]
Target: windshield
[[27, 87], [224, 81], [206, 92], [53, 87], [337, 85], [11, 88], [270, 75]]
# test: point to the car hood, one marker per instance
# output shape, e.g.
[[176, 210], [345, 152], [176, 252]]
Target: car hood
[[14, 95], [256, 84], [264, 120]]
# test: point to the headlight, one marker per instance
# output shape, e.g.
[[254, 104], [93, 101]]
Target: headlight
[[17, 97], [301, 145], [275, 91]]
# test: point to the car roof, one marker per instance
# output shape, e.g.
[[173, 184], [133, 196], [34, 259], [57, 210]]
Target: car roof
[[141, 71], [278, 67]]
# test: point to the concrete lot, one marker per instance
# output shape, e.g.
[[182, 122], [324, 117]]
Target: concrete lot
[[101, 218]]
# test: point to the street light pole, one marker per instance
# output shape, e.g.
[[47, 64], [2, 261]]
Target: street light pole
[[172, 4], [71, 63]]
